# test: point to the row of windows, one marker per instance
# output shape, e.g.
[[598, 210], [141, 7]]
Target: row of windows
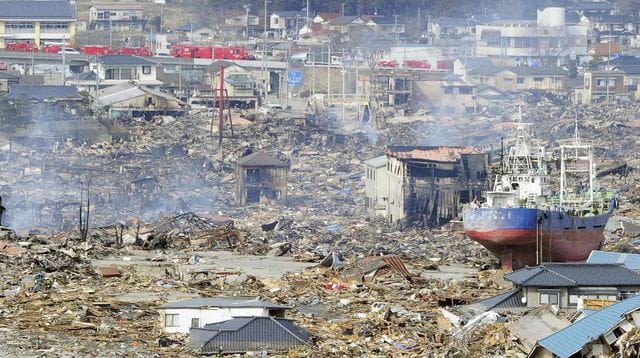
[[171, 320], [125, 73], [18, 25], [54, 25], [551, 298]]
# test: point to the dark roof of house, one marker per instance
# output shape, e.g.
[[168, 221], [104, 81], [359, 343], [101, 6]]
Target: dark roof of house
[[30, 9], [260, 159], [8, 75], [484, 70], [384, 20], [244, 334], [126, 60], [508, 301], [451, 21], [229, 302], [624, 60], [572, 275], [43, 92], [85, 76], [538, 71], [290, 14], [343, 20], [215, 67], [571, 339], [628, 69]]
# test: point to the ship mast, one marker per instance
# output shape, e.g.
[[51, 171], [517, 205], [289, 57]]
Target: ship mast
[[576, 158]]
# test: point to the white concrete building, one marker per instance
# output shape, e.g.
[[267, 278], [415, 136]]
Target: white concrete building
[[548, 40], [376, 186], [179, 317]]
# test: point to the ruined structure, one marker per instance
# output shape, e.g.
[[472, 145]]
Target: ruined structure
[[261, 178], [424, 184]]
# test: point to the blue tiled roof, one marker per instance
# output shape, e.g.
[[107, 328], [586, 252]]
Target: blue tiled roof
[[630, 261], [29, 9], [245, 334], [571, 339], [572, 275], [43, 92]]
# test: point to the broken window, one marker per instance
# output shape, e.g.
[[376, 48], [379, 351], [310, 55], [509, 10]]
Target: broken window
[[253, 196], [253, 175], [171, 320]]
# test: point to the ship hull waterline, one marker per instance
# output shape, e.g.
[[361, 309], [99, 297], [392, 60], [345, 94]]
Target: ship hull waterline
[[525, 237]]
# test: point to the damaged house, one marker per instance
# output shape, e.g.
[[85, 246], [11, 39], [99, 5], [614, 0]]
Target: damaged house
[[261, 178], [425, 184]]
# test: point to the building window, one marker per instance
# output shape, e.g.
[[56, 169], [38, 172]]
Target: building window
[[195, 322], [448, 90], [171, 320], [465, 90], [53, 26], [605, 82], [548, 298], [537, 79], [573, 300], [520, 80], [22, 25], [146, 70]]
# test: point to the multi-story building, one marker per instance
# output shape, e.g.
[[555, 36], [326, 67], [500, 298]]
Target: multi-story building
[[37, 22], [548, 40], [116, 17], [602, 85]]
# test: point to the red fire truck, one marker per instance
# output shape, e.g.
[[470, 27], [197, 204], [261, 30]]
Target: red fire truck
[[137, 51], [21, 47], [216, 52], [96, 50]]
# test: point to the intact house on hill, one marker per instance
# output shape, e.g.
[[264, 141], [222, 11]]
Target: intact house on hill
[[239, 85], [116, 17], [117, 69], [424, 185], [261, 178], [562, 285], [250, 334], [179, 317]]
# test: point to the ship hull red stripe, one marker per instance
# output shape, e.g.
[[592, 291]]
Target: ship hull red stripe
[[518, 247]]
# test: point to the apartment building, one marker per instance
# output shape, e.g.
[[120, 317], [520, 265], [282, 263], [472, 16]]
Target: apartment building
[[37, 22]]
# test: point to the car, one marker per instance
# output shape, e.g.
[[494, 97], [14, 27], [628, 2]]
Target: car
[[68, 51]]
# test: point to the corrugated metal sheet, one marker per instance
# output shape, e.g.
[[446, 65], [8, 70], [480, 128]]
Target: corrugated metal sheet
[[571, 339], [630, 261]]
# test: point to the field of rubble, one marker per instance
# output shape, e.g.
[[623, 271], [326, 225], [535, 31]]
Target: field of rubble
[[100, 234]]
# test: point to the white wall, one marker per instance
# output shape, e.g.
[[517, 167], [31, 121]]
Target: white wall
[[206, 316]]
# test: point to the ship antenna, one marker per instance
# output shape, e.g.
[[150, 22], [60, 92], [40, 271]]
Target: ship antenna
[[501, 155]]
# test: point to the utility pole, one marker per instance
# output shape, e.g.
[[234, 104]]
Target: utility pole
[[110, 32], [264, 55], [329, 69], [608, 66], [396, 30]]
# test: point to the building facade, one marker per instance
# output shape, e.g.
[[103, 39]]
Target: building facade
[[548, 40], [116, 17], [261, 178], [37, 22]]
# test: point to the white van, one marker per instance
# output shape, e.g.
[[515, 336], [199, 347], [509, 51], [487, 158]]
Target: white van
[[68, 51], [271, 108]]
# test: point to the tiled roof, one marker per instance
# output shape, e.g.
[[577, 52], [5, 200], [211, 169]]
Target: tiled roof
[[260, 159], [227, 302], [508, 301], [126, 60], [573, 275], [537, 71], [571, 339], [434, 153], [244, 334], [29, 9], [43, 92]]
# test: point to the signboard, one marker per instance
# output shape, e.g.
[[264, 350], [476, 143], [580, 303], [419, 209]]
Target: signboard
[[294, 78]]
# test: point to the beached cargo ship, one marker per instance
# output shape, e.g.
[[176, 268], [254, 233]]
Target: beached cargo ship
[[525, 222]]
